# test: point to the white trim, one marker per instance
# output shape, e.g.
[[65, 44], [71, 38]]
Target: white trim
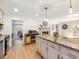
[[11, 31]]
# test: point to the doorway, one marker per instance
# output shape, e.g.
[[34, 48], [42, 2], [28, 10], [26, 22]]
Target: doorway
[[17, 31]]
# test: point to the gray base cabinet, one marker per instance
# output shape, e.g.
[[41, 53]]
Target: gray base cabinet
[[44, 48], [52, 53], [50, 50], [38, 44], [68, 53]]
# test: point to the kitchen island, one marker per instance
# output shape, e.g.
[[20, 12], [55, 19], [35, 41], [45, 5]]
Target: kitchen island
[[4, 45], [62, 48]]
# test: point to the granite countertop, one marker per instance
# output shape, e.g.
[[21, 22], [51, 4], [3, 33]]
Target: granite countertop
[[2, 37], [66, 42]]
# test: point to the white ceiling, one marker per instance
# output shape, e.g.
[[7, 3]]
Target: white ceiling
[[28, 8]]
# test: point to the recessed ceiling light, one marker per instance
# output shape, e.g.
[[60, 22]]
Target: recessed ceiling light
[[73, 15], [15, 10], [37, 14], [45, 19]]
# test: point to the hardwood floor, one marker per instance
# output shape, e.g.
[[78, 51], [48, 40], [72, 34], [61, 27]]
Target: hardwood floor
[[19, 51]]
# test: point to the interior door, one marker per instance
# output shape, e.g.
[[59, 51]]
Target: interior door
[[17, 31]]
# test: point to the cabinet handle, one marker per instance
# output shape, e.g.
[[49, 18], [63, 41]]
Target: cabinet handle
[[61, 57], [43, 42], [58, 57], [46, 49]]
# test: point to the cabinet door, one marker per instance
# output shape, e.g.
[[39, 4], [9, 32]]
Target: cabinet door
[[52, 53], [44, 50], [1, 15], [66, 52], [38, 44], [62, 56]]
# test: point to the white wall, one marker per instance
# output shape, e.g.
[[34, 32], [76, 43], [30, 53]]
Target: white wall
[[31, 24], [70, 30], [6, 26], [52, 22], [28, 24]]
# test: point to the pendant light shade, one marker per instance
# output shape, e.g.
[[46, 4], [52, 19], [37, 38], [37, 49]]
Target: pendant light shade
[[45, 21], [46, 14], [71, 10]]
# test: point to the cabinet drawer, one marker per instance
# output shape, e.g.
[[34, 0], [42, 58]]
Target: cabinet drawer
[[54, 46], [71, 53]]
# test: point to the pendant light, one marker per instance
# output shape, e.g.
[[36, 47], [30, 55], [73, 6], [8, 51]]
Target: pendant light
[[71, 10], [45, 21], [46, 14]]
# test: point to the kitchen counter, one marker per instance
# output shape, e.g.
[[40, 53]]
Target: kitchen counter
[[66, 42], [3, 37]]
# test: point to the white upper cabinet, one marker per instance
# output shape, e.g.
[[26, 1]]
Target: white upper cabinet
[[1, 16]]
